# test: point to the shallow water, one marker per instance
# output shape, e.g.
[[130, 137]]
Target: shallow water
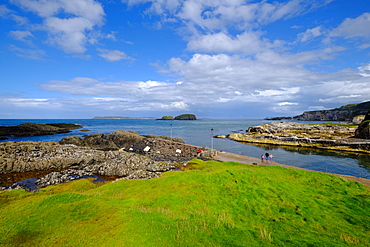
[[199, 133]]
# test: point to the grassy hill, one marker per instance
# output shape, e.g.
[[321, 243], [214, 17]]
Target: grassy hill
[[359, 106], [210, 204]]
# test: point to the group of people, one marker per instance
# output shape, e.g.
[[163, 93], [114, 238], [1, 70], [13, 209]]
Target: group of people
[[266, 156]]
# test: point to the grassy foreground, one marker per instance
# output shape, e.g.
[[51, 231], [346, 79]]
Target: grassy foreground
[[211, 204]]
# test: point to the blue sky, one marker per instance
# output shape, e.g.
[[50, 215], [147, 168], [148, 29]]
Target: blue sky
[[211, 58]]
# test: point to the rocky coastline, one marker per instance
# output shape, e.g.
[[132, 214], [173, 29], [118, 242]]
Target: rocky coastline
[[327, 136], [343, 113], [121, 154], [33, 129]]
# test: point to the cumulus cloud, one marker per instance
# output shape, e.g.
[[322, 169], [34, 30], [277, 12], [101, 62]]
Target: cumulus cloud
[[218, 14], [283, 89], [350, 28], [113, 55], [235, 65], [247, 43], [67, 22]]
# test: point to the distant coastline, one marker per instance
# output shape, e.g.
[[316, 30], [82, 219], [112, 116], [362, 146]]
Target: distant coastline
[[116, 117]]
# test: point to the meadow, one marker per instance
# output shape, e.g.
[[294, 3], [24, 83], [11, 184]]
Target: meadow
[[208, 204]]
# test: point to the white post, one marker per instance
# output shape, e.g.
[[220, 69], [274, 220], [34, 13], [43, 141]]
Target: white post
[[211, 142]]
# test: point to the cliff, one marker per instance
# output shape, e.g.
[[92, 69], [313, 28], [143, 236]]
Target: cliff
[[344, 113]]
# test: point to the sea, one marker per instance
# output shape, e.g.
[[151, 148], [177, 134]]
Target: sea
[[200, 132]]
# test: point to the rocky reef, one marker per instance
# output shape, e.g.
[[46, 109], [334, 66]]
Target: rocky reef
[[111, 141], [33, 129], [328, 136], [123, 154]]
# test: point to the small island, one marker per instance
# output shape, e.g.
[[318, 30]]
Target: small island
[[180, 117]]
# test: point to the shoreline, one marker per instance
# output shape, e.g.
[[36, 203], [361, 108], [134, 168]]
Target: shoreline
[[320, 136], [340, 147], [226, 157]]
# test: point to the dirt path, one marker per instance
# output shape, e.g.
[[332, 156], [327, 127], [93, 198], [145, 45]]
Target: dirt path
[[225, 156]]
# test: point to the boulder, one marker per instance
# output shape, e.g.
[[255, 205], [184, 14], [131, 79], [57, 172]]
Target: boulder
[[74, 140], [363, 130], [358, 119], [123, 138], [100, 142]]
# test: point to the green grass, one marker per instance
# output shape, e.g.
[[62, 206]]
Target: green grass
[[210, 204], [349, 125]]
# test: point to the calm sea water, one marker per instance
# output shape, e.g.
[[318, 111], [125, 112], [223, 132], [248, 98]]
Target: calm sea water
[[199, 133]]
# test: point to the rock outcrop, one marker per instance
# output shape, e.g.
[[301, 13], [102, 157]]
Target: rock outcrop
[[358, 119], [162, 149], [328, 136], [33, 129], [134, 157], [41, 156], [111, 141], [363, 130], [18, 157]]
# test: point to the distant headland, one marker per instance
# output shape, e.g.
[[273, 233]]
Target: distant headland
[[117, 117], [343, 113]]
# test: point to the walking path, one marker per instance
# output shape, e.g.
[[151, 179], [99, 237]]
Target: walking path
[[225, 156]]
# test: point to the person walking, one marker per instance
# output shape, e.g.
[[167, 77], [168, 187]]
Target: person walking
[[262, 158], [267, 156]]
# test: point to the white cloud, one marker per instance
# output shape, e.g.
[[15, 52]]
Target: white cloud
[[350, 28], [287, 103], [4, 11], [35, 54], [219, 14], [113, 55], [24, 36], [20, 35], [310, 34], [365, 70], [282, 89], [280, 92], [247, 42], [67, 22]]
